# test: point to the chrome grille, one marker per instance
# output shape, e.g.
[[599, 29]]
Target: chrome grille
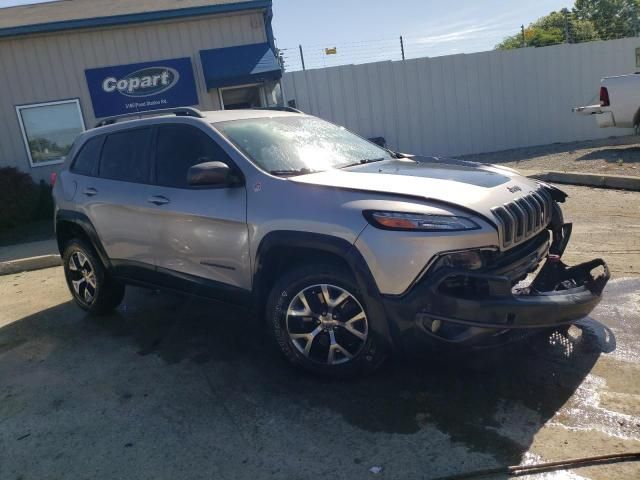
[[524, 217]]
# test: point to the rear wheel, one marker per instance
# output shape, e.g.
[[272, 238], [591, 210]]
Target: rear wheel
[[90, 285], [319, 321]]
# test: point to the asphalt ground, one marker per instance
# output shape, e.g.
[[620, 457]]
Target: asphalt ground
[[174, 387]]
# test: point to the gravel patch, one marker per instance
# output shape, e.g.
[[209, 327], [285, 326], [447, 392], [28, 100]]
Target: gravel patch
[[610, 156]]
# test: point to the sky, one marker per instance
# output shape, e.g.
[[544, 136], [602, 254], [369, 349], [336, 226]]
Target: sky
[[369, 30]]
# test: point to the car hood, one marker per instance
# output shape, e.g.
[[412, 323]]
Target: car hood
[[470, 185]]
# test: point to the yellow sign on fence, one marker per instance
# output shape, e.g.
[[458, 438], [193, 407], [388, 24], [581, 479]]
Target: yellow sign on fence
[[330, 51]]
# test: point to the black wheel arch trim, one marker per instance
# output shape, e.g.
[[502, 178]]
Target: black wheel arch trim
[[82, 221], [325, 244]]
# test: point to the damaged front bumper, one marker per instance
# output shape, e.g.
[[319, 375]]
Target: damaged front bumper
[[484, 308]]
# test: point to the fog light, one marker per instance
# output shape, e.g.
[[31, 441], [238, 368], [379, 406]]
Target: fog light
[[470, 259]]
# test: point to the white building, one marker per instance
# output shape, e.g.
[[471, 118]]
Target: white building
[[65, 64]]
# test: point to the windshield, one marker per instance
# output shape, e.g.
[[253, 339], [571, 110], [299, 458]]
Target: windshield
[[299, 144]]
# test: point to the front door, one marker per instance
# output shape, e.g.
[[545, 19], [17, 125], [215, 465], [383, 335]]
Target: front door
[[200, 233]]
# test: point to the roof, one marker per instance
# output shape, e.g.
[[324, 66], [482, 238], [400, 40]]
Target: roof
[[212, 116], [71, 14], [216, 116]]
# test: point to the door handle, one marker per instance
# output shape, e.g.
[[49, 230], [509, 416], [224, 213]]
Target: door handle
[[158, 200], [90, 192]]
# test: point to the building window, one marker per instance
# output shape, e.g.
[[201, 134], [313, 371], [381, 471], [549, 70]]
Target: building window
[[246, 96], [49, 129]]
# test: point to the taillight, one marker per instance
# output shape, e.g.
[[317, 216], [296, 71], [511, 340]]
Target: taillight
[[53, 178], [604, 97]]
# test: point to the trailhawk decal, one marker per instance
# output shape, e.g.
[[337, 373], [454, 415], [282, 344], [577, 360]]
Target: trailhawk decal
[[142, 86]]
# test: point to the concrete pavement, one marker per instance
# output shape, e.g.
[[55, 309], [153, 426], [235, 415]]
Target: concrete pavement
[[169, 387], [29, 256], [619, 182]]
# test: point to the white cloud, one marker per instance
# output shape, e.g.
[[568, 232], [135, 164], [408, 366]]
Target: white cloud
[[451, 36]]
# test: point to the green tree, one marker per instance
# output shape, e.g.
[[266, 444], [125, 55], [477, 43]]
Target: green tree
[[611, 18], [550, 30]]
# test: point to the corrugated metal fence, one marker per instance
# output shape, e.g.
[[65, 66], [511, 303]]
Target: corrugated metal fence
[[472, 103]]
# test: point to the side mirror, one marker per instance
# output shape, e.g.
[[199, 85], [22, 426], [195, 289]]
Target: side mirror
[[210, 174]]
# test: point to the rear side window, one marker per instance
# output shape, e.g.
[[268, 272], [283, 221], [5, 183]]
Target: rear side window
[[86, 162], [179, 147], [125, 156]]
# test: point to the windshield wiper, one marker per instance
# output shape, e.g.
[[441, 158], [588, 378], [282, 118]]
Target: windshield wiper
[[363, 162], [292, 172]]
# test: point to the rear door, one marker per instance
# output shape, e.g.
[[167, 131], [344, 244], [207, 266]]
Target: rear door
[[116, 199], [200, 233]]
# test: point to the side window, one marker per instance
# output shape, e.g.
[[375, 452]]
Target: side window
[[86, 162], [179, 147], [125, 156]]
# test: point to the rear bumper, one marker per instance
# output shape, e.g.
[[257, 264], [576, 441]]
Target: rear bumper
[[487, 310], [603, 118]]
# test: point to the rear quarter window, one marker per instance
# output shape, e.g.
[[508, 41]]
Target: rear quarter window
[[86, 161]]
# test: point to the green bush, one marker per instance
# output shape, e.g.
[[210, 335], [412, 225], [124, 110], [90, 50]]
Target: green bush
[[20, 198], [44, 210]]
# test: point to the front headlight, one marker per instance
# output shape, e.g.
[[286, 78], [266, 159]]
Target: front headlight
[[420, 222]]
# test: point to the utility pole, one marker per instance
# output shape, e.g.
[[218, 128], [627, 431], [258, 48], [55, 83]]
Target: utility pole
[[565, 12], [524, 40], [402, 46], [301, 57]]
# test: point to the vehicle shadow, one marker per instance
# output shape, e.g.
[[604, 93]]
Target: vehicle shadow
[[492, 402], [614, 155]]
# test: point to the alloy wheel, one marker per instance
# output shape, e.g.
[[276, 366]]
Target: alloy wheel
[[327, 324], [82, 277]]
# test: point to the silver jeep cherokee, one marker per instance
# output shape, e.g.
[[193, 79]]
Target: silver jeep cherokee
[[347, 249]]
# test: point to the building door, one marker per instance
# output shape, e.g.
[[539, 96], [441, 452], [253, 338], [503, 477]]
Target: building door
[[246, 96]]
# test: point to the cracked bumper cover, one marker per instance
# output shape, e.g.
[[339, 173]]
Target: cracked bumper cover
[[489, 310]]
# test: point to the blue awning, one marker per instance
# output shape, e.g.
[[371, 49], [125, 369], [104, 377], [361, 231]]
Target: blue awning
[[225, 67]]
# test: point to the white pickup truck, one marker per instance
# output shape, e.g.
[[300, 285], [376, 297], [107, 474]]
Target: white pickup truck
[[619, 102]]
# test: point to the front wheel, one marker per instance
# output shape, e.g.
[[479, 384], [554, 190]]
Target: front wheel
[[89, 283], [319, 321]]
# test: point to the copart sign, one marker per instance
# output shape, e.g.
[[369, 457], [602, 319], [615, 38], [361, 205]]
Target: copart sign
[[141, 86]]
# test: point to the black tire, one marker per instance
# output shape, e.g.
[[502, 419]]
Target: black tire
[[82, 275], [353, 355]]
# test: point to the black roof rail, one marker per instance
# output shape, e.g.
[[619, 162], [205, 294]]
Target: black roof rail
[[178, 112], [281, 109]]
